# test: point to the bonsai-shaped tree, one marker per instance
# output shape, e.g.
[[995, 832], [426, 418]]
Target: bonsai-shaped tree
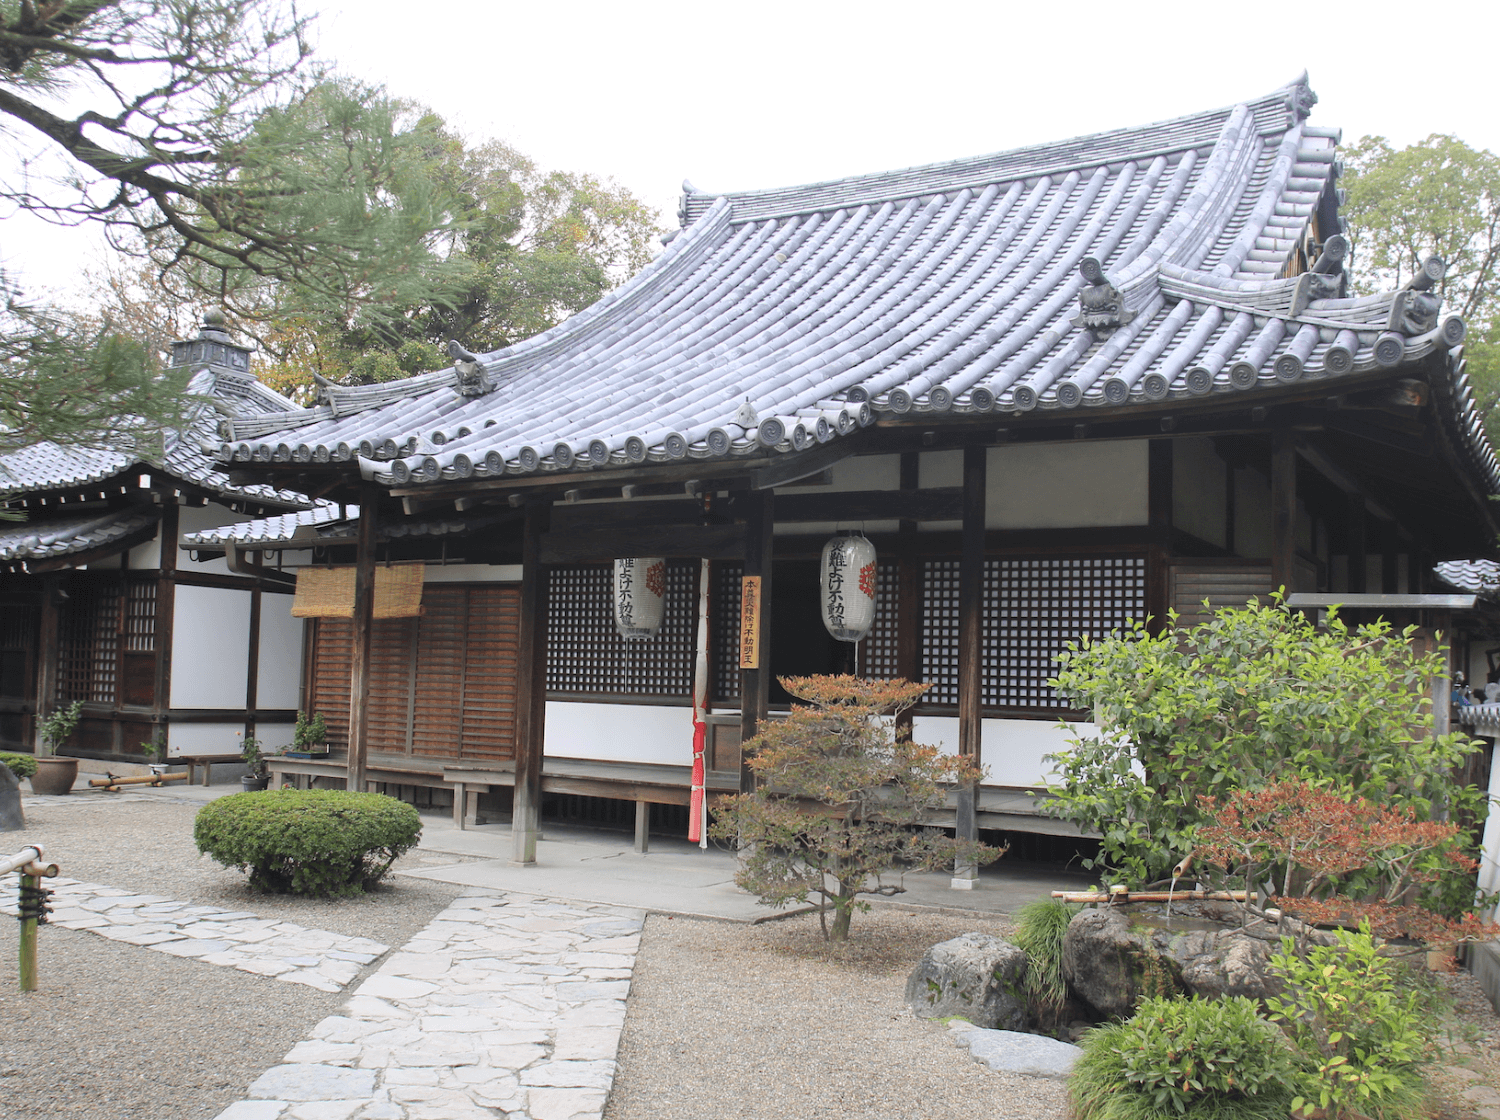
[[251, 753], [58, 725], [310, 732], [843, 800]]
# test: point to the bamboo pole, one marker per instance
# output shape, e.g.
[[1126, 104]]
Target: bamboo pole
[[113, 783], [28, 862], [1122, 895]]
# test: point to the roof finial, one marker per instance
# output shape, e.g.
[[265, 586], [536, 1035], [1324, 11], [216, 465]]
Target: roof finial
[[1300, 100], [472, 379], [1101, 305]]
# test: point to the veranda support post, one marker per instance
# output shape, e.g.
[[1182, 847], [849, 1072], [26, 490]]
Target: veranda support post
[[364, 624], [531, 688], [970, 641]]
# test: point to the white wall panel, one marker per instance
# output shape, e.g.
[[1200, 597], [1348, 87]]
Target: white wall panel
[[204, 738], [211, 647], [1066, 485], [279, 673], [620, 732], [1011, 749]]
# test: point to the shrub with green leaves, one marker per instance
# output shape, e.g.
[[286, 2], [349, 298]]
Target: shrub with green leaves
[[1362, 1037], [325, 843], [21, 765], [1252, 696], [1198, 1059], [1040, 927]]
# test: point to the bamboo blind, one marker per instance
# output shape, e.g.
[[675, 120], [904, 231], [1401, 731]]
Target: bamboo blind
[[329, 592]]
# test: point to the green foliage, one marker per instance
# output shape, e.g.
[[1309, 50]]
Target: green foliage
[[1251, 696], [1198, 1059], [1040, 927], [842, 800], [310, 731], [325, 843], [155, 748], [56, 726], [21, 765], [1362, 1037], [250, 751]]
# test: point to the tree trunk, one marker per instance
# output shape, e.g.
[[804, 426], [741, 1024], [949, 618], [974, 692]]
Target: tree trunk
[[844, 910]]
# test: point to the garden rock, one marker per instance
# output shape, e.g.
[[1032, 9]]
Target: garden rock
[[1035, 1055], [11, 817], [976, 976], [1112, 957]]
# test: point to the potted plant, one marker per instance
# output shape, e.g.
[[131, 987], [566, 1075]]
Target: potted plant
[[259, 777], [55, 775], [310, 737], [155, 750]]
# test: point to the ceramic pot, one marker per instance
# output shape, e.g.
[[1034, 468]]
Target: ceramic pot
[[253, 783], [54, 775]]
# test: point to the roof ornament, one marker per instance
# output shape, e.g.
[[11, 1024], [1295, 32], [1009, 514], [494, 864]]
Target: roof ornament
[[682, 214], [1300, 100], [1415, 309], [1101, 305], [746, 416], [1326, 279], [471, 378]]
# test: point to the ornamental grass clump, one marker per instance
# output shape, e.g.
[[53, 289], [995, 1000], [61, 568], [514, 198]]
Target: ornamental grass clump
[[1191, 1058], [1040, 929], [324, 843]]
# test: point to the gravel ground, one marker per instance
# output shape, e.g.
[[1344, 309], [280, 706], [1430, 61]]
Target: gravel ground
[[116, 1032]]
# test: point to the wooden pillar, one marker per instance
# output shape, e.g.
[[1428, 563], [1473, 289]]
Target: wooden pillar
[[531, 689], [364, 626], [1283, 512], [166, 612], [252, 668], [755, 684], [46, 659], [1442, 686], [970, 645], [908, 593], [1390, 571], [1159, 518], [1354, 537]]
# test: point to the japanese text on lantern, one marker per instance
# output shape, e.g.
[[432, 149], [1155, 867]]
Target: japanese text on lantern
[[750, 622]]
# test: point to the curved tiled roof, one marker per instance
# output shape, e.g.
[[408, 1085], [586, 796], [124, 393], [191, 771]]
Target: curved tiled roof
[[1137, 266], [1480, 577], [328, 523], [23, 541]]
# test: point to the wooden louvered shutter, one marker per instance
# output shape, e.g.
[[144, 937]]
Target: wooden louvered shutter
[[493, 662], [437, 712], [391, 651], [1221, 584], [328, 691]]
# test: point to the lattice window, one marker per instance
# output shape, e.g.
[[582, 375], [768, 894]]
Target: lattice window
[[724, 634], [879, 653], [939, 661], [89, 643], [140, 616], [1032, 608], [585, 654]]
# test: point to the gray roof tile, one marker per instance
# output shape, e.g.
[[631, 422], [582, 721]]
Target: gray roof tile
[[23, 541]]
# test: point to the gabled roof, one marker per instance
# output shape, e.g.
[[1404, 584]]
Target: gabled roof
[[188, 456], [24, 544], [1176, 261]]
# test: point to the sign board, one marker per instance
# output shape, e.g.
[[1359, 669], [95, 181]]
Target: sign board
[[750, 622]]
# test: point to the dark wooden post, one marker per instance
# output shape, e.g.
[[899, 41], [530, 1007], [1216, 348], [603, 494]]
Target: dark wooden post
[[755, 684], [166, 610], [252, 673], [908, 592], [1159, 517], [46, 661], [1390, 570], [531, 689], [970, 643], [364, 626], [1283, 512], [1354, 535]]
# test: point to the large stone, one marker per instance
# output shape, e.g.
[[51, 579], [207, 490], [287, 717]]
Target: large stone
[[975, 976], [1113, 957], [11, 817], [1035, 1055]]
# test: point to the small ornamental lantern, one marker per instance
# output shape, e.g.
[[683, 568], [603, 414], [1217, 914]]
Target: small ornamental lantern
[[847, 587], [640, 595]]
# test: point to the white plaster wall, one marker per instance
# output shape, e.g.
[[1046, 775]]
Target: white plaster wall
[[210, 647], [1198, 476], [1066, 485], [279, 672], [1010, 749], [146, 557], [865, 472], [472, 573], [204, 738], [194, 519], [1489, 860], [620, 732]]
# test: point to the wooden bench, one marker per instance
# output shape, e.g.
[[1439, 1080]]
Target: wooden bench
[[207, 761]]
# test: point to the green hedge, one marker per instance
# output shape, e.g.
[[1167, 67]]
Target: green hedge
[[21, 765], [325, 843]]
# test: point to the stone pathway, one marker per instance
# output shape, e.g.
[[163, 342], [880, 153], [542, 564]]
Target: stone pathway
[[504, 1006], [233, 939]]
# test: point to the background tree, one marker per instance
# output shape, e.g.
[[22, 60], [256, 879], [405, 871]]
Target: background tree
[[1438, 196]]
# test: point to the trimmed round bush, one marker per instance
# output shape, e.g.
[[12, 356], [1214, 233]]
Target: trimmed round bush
[[321, 842], [1190, 1058], [21, 765]]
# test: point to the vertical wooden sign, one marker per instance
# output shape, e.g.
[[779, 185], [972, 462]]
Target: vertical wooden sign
[[750, 622]]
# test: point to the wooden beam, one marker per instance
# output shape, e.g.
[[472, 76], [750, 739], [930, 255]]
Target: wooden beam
[[970, 648], [531, 688], [1283, 511], [786, 468], [363, 627], [166, 610], [755, 684], [705, 542], [909, 590], [938, 504]]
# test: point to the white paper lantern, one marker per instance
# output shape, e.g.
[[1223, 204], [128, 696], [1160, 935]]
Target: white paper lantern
[[640, 597], [846, 585]]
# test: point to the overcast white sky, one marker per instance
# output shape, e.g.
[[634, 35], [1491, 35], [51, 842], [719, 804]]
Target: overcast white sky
[[776, 93]]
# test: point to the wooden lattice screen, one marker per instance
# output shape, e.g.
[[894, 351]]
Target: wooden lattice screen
[[442, 686], [587, 656], [1032, 607], [879, 653], [724, 634], [88, 647]]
